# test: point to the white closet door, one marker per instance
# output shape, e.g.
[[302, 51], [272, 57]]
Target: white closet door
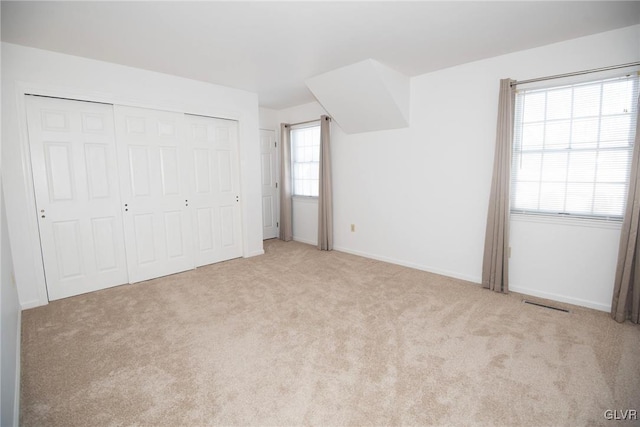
[[154, 182], [269, 157], [75, 176], [213, 145]]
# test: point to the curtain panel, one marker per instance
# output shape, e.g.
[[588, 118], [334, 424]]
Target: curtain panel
[[286, 210], [626, 291], [495, 265], [325, 195]]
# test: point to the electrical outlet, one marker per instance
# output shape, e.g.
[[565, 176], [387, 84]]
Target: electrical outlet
[[353, 228]]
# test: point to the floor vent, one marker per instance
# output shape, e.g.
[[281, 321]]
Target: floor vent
[[545, 306]]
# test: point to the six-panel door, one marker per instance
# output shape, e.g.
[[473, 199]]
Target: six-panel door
[[269, 153], [154, 182], [75, 178], [215, 199]]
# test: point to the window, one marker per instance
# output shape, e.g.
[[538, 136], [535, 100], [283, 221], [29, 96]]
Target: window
[[572, 148], [305, 152]]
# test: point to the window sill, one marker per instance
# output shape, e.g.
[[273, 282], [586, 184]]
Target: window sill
[[567, 221], [305, 199]]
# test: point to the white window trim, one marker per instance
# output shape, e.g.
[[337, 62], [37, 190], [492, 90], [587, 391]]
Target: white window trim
[[566, 220], [305, 199], [304, 125]]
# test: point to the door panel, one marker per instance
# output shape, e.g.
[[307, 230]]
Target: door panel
[[173, 234], [170, 171], [68, 248], [59, 171], [73, 156], [204, 225], [97, 171], [216, 199], [227, 225], [139, 170], [224, 171], [269, 157], [104, 243], [154, 189], [202, 170]]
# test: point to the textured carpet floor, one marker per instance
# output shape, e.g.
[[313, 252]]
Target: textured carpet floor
[[302, 337]]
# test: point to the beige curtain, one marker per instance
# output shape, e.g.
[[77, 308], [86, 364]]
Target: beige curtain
[[325, 195], [286, 211], [626, 291], [495, 265]]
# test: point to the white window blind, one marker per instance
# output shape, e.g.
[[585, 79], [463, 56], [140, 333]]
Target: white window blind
[[305, 145], [572, 148]]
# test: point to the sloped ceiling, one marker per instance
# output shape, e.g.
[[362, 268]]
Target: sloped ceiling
[[364, 97], [271, 48]]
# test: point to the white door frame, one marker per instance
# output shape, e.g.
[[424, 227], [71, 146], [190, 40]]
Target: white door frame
[[25, 88]]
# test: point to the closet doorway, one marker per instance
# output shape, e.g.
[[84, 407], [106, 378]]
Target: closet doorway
[[128, 194]]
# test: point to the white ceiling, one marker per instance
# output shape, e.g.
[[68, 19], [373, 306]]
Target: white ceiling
[[272, 47]]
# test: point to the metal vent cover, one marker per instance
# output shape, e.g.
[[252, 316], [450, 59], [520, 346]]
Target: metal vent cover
[[545, 306]]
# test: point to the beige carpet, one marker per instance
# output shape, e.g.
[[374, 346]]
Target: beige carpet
[[300, 337]]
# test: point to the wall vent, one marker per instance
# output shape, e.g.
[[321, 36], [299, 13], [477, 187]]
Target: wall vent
[[545, 306]]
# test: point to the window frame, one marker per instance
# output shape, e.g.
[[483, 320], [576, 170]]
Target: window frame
[[516, 148], [292, 128]]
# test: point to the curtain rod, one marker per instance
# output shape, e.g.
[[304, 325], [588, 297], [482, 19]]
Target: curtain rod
[[304, 123], [576, 73], [308, 121]]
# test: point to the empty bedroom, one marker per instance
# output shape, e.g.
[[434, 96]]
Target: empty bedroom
[[366, 213]]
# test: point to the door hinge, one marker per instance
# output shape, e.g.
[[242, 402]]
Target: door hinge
[[277, 224], [275, 144], [276, 185]]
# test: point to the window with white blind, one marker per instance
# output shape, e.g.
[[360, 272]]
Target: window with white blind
[[572, 148], [305, 153]]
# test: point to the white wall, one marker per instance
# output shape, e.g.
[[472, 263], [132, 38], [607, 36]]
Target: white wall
[[49, 73], [10, 323], [10, 331], [572, 261], [269, 119], [419, 196]]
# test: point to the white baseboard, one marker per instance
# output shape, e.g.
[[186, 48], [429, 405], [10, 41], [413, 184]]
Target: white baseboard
[[308, 242], [254, 253], [477, 280], [560, 298], [456, 275], [31, 304]]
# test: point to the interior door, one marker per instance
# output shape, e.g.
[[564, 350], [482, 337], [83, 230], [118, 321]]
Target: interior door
[[213, 145], [154, 182], [75, 174], [269, 157]]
